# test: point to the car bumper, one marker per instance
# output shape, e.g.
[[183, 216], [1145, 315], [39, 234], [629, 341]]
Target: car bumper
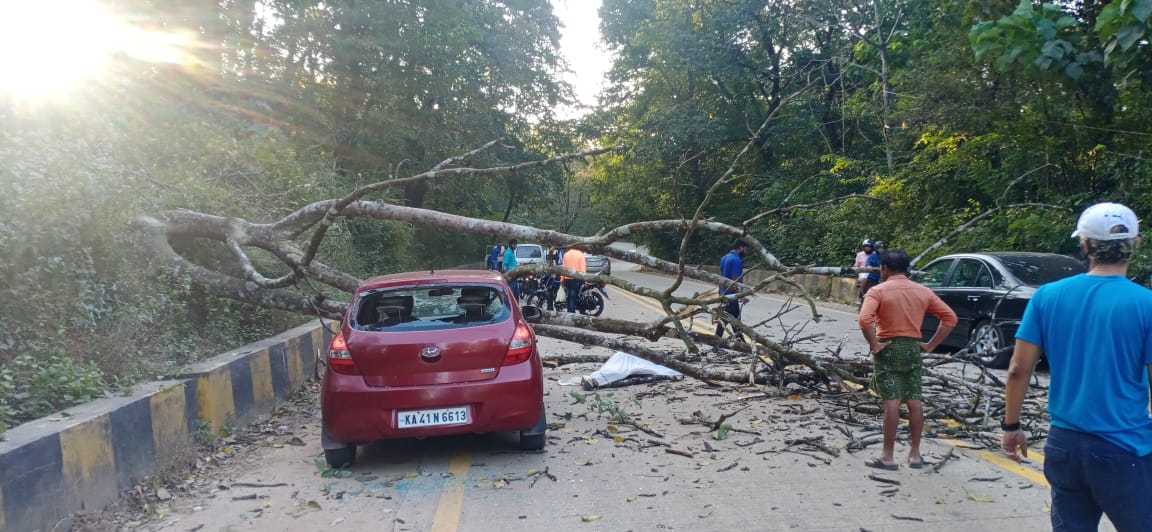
[[353, 412]]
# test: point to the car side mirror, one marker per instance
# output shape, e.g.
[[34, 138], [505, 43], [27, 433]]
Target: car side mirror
[[531, 313]]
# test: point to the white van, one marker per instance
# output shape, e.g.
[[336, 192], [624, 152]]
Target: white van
[[529, 254]]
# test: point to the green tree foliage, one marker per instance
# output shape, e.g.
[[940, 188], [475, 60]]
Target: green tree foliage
[[962, 96], [274, 105]]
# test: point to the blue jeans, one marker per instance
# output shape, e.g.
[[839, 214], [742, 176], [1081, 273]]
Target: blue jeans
[[571, 291], [1090, 476]]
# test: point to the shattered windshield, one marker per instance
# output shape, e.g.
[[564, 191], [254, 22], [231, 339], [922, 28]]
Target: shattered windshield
[[430, 307]]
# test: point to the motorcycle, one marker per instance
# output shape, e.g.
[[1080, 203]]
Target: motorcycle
[[590, 300], [542, 292]]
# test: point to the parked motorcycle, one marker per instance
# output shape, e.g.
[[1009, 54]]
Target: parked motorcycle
[[590, 300], [543, 291]]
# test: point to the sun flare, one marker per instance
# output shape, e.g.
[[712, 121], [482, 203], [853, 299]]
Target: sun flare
[[49, 47]]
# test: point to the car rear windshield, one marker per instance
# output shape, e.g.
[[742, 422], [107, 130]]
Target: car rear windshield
[[430, 307], [1036, 270]]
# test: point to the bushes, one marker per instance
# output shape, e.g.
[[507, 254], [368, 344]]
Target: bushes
[[35, 386], [82, 310]]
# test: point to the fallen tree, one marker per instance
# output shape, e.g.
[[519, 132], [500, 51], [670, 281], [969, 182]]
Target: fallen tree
[[295, 239]]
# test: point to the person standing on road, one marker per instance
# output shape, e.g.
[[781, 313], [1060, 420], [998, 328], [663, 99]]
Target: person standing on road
[[732, 268], [494, 258], [890, 320], [1096, 330], [573, 260], [509, 263]]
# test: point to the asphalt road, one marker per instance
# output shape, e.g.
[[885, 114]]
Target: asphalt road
[[607, 475]]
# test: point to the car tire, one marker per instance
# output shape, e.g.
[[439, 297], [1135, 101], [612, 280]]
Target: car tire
[[533, 439], [987, 342], [594, 305], [340, 457]]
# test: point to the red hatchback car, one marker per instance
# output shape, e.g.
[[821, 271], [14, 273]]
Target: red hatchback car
[[432, 354]]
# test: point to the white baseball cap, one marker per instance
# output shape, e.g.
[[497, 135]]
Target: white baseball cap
[[1107, 221]]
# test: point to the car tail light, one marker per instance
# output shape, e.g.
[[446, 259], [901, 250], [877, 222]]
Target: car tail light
[[339, 359], [521, 347]]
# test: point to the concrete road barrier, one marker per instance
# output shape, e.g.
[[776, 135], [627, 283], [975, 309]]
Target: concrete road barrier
[[827, 287], [84, 458]]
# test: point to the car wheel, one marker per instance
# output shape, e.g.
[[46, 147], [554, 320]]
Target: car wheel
[[987, 341], [533, 439], [340, 457]]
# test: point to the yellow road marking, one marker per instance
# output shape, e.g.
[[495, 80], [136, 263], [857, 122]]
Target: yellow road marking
[[1003, 461], [653, 306], [451, 503], [1007, 463]]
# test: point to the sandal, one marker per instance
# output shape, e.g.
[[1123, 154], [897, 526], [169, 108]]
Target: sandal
[[919, 464], [877, 463]]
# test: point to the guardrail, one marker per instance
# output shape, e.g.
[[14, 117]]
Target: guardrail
[[84, 458]]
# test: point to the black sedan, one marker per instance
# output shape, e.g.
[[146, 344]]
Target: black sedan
[[988, 292]]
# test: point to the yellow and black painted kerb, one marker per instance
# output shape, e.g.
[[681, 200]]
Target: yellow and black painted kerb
[[54, 467], [237, 386]]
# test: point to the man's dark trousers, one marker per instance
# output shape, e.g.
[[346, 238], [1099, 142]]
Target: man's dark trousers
[[571, 291], [1089, 476], [732, 306]]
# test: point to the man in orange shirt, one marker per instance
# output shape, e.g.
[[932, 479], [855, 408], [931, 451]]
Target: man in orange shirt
[[573, 260], [890, 319]]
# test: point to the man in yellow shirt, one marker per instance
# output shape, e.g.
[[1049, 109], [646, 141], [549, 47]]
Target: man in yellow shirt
[[573, 260]]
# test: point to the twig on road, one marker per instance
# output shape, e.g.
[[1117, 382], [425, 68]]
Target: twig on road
[[939, 465], [536, 476], [257, 485], [678, 452], [642, 428], [879, 478]]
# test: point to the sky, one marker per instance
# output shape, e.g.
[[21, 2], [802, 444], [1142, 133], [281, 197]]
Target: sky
[[580, 44]]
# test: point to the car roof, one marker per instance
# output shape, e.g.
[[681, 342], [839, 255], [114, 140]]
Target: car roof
[[1007, 255], [438, 276]]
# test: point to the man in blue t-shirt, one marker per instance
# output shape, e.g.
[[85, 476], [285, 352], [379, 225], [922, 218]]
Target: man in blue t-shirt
[[1096, 330], [732, 268]]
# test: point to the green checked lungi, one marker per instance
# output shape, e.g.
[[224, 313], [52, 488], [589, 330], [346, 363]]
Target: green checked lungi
[[898, 370]]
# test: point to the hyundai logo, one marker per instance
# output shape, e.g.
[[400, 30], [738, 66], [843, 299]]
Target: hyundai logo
[[430, 353]]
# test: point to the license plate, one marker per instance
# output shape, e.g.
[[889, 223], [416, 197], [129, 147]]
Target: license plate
[[457, 415]]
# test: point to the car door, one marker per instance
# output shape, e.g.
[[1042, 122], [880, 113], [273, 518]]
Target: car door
[[970, 294], [934, 276]]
